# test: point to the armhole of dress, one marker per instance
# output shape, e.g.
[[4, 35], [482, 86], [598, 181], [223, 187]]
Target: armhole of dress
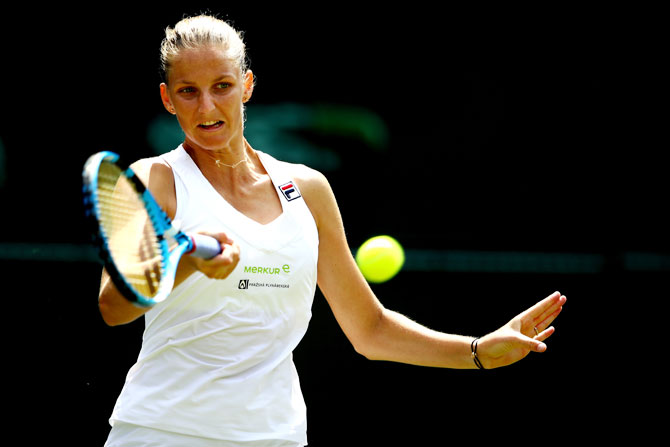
[[179, 191], [181, 194]]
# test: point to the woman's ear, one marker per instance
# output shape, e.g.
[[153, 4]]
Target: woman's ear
[[248, 86], [165, 97]]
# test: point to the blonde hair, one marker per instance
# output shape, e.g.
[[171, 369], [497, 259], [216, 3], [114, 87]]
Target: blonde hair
[[199, 31]]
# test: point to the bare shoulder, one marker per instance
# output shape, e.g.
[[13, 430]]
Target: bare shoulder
[[310, 180], [157, 176], [147, 168], [315, 190]]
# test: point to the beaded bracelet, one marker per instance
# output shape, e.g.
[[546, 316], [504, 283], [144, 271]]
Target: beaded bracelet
[[473, 348]]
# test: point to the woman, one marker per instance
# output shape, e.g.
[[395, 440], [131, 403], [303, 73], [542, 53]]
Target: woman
[[215, 366]]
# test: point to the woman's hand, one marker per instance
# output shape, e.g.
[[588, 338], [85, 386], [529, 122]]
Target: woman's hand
[[221, 265], [524, 333]]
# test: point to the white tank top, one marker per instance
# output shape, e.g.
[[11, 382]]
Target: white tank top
[[216, 357]]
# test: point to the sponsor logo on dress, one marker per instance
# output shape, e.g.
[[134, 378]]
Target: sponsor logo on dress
[[245, 284], [290, 191]]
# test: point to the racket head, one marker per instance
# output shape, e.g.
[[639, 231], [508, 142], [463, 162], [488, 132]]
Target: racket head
[[129, 230]]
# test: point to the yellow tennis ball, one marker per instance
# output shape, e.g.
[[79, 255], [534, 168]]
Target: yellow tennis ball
[[380, 258]]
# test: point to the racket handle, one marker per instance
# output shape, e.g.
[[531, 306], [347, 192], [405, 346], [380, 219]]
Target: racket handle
[[205, 247]]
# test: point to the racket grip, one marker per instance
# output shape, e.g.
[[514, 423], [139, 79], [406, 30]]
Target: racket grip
[[205, 247]]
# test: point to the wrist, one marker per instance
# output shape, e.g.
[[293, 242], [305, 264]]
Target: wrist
[[474, 344]]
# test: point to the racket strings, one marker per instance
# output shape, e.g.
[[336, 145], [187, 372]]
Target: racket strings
[[131, 237]]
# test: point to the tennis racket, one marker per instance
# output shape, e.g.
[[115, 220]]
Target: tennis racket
[[137, 242]]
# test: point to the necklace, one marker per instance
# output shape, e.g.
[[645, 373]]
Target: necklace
[[219, 163]]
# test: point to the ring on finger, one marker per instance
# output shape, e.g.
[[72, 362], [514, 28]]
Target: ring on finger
[[535, 329]]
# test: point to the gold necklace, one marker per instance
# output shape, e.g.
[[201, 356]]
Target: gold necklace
[[219, 163]]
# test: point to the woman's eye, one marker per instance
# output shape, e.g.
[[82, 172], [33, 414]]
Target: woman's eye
[[222, 85], [186, 90]]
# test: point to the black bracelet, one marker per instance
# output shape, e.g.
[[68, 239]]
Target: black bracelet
[[473, 348]]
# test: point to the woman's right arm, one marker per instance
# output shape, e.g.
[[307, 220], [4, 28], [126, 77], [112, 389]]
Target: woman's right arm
[[114, 308], [117, 310], [158, 177]]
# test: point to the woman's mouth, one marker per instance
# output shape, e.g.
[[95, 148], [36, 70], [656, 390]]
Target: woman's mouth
[[211, 125]]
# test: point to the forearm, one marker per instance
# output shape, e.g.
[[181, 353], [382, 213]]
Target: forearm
[[114, 308], [399, 339], [117, 310]]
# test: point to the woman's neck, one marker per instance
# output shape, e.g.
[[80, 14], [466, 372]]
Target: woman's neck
[[231, 157], [227, 167]]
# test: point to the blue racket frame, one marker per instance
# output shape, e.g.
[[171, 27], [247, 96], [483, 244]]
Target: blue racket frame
[[198, 245]]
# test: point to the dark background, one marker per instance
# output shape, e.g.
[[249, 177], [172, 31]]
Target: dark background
[[509, 130]]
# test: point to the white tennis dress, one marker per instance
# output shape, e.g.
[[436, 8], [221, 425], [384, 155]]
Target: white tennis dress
[[216, 357]]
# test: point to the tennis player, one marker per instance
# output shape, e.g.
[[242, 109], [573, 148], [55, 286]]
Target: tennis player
[[215, 367]]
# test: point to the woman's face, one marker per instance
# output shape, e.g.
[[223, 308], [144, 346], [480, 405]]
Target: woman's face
[[206, 91]]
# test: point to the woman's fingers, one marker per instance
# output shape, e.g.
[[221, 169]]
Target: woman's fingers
[[223, 264]]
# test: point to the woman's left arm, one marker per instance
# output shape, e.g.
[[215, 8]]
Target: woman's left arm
[[381, 334]]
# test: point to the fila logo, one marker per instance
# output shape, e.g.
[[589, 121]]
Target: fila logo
[[290, 191]]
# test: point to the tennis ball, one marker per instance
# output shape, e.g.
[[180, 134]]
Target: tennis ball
[[380, 258]]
